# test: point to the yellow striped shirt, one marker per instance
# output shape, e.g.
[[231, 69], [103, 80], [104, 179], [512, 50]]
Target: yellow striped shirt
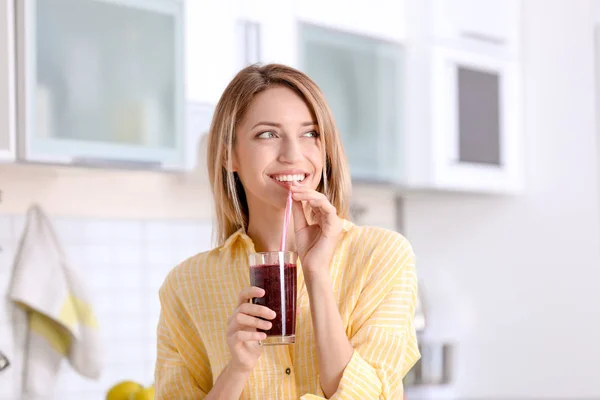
[[375, 286]]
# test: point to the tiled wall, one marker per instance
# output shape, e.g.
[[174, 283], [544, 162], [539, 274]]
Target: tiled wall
[[123, 263]]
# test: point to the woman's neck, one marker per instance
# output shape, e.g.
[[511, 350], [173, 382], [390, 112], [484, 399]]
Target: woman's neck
[[265, 230]]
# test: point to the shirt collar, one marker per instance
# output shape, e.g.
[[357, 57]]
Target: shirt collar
[[240, 234]]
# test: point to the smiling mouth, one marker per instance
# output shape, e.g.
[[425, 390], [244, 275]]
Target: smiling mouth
[[284, 179]]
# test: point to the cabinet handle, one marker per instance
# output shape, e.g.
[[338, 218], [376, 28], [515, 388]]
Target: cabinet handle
[[115, 163], [481, 37], [250, 41]]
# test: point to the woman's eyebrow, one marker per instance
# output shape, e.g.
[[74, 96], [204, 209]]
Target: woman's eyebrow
[[277, 125]]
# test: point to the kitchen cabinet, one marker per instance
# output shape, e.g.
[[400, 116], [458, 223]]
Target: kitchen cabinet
[[354, 56], [101, 82], [464, 104], [472, 116], [7, 83], [359, 74], [484, 26], [362, 80], [439, 113]]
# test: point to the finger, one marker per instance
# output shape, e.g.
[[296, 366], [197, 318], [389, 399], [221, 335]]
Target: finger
[[309, 195], [248, 336], [301, 190], [245, 321], [250, 293], [255, 310], [295, 187], [316, 200], [300, 221]]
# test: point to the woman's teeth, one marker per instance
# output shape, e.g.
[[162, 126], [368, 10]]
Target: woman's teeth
[[290, 178]]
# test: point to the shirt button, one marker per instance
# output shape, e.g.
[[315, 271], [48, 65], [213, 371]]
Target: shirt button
[[288, 371]]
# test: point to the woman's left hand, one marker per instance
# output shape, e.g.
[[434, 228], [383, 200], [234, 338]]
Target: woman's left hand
[[316, 242]]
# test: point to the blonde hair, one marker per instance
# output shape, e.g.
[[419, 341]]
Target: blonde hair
[[228, 193]]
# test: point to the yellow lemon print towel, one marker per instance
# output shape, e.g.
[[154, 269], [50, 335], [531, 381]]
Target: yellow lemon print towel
[[61, 323]]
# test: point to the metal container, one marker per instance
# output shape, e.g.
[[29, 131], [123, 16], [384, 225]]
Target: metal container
[[434, 367]]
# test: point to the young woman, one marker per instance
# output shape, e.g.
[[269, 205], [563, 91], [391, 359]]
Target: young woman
[[273, 132]]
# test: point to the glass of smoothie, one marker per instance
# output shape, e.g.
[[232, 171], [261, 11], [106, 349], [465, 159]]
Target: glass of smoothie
[[275, 272]]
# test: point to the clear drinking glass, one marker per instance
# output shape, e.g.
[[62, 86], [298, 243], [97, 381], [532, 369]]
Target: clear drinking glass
[[275, 272]]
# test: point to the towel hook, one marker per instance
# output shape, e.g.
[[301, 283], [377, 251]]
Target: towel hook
[[4, 363]]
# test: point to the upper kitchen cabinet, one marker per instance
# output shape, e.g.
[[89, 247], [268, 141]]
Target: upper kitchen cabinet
[[381, 19], [483, 26], [7, 83], [101, 82], [468, 136], [476, 116], [362, 80], [463, 109]]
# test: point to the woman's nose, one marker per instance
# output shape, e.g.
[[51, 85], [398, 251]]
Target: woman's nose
[[290, 151]]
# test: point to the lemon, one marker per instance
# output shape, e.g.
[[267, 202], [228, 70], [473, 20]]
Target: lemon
[[145, 394], [124, 390]]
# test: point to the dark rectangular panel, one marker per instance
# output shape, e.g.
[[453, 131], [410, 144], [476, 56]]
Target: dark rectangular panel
[[479, 116]]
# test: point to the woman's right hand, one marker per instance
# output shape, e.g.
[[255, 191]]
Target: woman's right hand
[[242, 334]]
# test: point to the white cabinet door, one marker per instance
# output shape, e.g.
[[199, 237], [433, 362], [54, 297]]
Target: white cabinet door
[[101, 82], [477, 128], [210, 50], [382, 19], [480, 25], [362, 79], [7, 83]]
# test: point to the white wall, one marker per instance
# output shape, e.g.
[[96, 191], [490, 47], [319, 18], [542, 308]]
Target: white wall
[[516, 280]]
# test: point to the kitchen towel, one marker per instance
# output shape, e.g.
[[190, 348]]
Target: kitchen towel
[[61, 322]]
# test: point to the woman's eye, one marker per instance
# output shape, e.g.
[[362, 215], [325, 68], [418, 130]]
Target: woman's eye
[[266, 135], [312, 134]]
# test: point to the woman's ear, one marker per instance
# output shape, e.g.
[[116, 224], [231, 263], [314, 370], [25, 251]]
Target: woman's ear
[[234, 164], [234, 161]]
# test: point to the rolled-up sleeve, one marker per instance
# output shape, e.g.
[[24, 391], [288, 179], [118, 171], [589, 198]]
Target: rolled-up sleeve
[[383, 338], [182, 369]]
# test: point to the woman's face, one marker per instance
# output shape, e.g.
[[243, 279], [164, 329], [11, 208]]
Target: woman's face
[[276, 142]]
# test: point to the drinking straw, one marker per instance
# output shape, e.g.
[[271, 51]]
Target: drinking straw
[[286, 220]]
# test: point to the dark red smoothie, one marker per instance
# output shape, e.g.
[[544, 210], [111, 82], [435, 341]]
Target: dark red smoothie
[[284, 304]]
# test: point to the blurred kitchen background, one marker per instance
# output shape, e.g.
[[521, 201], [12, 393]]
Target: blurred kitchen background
[[470, 127]]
